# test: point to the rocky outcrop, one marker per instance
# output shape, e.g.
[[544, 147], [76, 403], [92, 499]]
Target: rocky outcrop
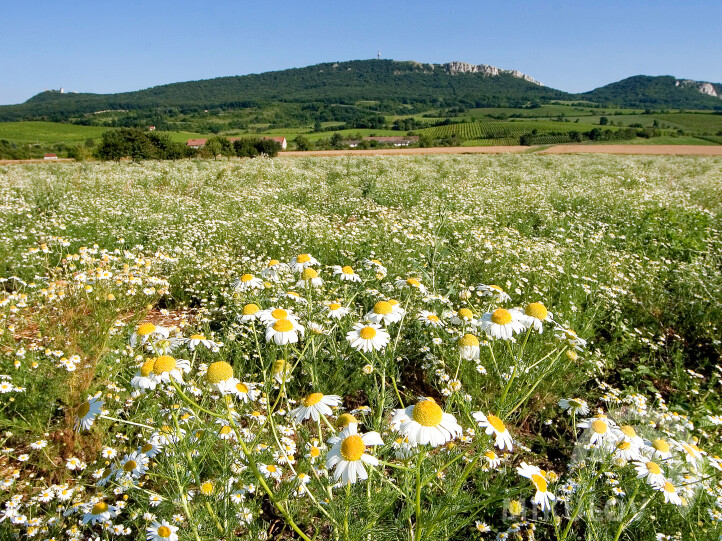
[[454, 68], [700, 86]]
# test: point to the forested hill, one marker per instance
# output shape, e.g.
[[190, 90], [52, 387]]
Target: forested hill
[[337, 83], [643, 91]]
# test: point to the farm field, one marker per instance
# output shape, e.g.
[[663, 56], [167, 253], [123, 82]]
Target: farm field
[[397, 347]]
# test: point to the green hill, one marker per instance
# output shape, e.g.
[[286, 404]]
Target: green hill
[[665, 91]]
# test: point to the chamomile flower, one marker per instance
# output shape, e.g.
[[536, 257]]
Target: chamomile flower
[[200, 339], [151, 448], [385, 312], [368, 337], [272, 270], [302, 261], [492, 459], [148, 331], [270, 471], [469, 347], [600, 430], [494, 426], [411, 283], [501, 324], [87, 412], [284, 331], [493, 291], [314, 450], [651, 472], [627, 433], [336, 310], [99, 512], [464, 316], [166, 368], [270, 316], [377, 266], [247, 282], [143, 378], [220, 376], [161, 531], [346, 274], [246, 391], [670, 493], [281, 370], [692, 454], [627, 451], [315, 405], [426, 423], [576, 406], [534, 316], [135, 465], [250, 312], [430, 319], [310, 278], [570, 338], [543, 497], [348, 454]]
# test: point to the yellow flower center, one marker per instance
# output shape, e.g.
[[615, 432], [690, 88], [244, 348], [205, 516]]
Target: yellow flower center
[[383, 308], [100, 507], [130, 466], [283, 325], [242, 388], [303, 258], [314, 452], [653, 468], [334, 306], [536, 310], [147, 447], [312, 399], [164, 531], [623, 446], [164, 363], [273, 262], [145, 329], [572, 355], [465, 313], [669, 487], [225, 430], [491, 455], [501, 317], [432, 317], [198, 337], [427, 413], [367, 333], [468, 340], [250, 309], [279, 313], [661, 445], [246, 278], [347, 270], [345, 419], [600, 427], [219, 371], [496, 423], [308, 274], [539, 482], [628, 431], [271, 468], [413, 282], [352, 448], [207, 488], [83, 409], [279, 366]]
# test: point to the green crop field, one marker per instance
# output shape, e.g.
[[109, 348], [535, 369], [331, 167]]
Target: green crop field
[[48, 132], [395, 348], [502, 129], [698, 122]]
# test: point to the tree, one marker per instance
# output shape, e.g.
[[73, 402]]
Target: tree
[[603, 121], [337, 140], [302, 143]]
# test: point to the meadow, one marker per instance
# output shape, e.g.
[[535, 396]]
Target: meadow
[[438, 347]]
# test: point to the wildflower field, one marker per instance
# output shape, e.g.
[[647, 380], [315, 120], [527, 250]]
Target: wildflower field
[[461, 347]]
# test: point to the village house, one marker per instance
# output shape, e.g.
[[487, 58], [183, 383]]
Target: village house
[[196, 143], [50, 157], [395, 141], [200, 143]]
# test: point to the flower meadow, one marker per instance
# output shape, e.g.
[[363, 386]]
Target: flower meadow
[[461, 347]]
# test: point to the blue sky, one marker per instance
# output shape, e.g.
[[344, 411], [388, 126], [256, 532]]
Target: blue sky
[[103, 46]]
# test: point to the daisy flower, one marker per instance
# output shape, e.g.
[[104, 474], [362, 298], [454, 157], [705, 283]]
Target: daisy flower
[[576, 406], [100, 512], [270, 471], [270, 316], [302, 261], [412, 283], [600, 430], [385, 312], [493, 291], [469, 347], [281, 370], [429, 319], [495, 426], [247, 282], [135, 464], [315, 405], [161, 531], [426, 423], [543, 497], [377, 266], [501, 324], [250, 312], [346, 274], [571, 339], [343, 420], [272, 270], [336, 310], [200, 339], [627, 451], [309, 277], [627, 433], [314, 450], [692, 453], [246, 391], [651, 472], [348, 454], [143, 378], [166, 367], [670, 493], [367, 337], [147, 331], [284, 331], [220, 377], [463, 316], [151, 448], [493, 460], [535, 313], [87, 412]]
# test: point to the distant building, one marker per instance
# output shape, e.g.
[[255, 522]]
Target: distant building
[[50, 157], [196, 143], [396, 141], [280, 140], [151, 128]]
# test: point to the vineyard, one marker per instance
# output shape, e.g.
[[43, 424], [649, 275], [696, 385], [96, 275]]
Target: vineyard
[[503, 130]]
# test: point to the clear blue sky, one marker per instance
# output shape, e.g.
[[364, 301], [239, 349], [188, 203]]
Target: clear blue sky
[[576, 45]]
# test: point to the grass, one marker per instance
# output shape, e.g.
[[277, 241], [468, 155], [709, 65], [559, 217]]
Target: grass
[[48, 132]]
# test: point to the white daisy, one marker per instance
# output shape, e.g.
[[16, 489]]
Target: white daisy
[[368, 337], [385, 312], [464, 316], [575, 406], [495, 426], [348, 454], [600, 430], [430, 319], [315, 405], [272, 270], [250, 312], [543, 497], [148, 331], [143, 378], [336, 310], [246, 391], [493, 291], [87, 412], [501, 324], [302, 261], [220, 376], [346, 274], [100, 512], [166, 367], [161, 531], [469, 347], [535, 314], [426, 423], [247, 282], [412, 283], [200, 339], [309, 277], [651, 472], [135, 465], [658, 448], [284, 331], [670, 493]]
